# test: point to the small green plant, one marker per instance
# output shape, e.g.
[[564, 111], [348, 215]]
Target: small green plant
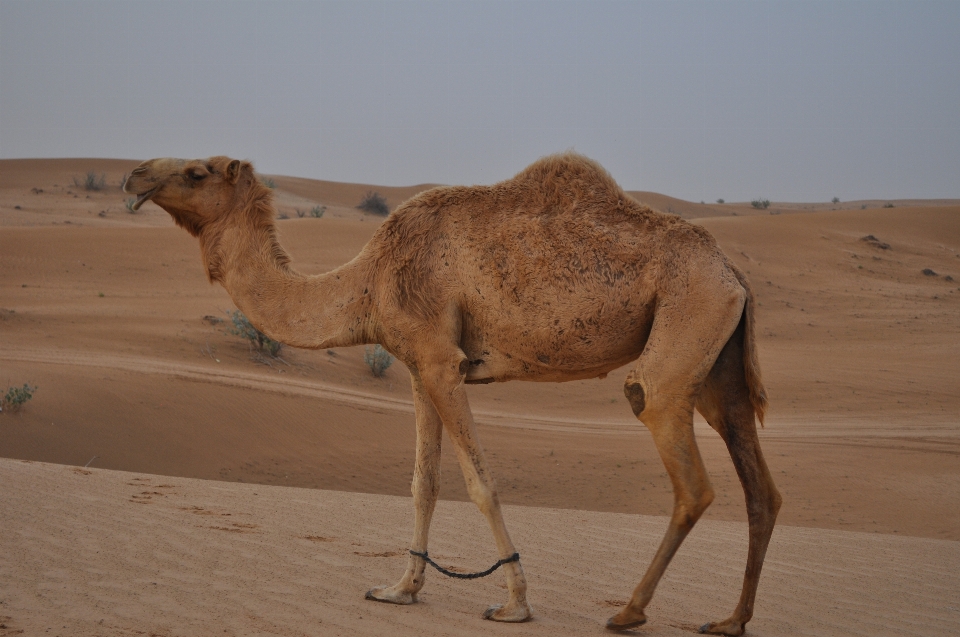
[[244, 329], [760, 204], [129, 205], [91, 182], [16, 397], [269, 183], [835, 200], [378, 359], [720, 201], [374, 203], [888, 205]]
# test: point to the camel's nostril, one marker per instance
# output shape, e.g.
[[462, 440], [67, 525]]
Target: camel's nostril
[[139, 170]]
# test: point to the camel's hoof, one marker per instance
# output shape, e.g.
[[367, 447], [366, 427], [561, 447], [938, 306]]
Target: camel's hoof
[[626, 619], [388, 595], [612, 625], [733, 629], [510, 613]]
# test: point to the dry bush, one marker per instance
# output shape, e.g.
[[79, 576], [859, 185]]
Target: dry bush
[[374, 203]]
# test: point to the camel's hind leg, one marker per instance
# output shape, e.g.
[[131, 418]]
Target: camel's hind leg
[[684, 342], [426, 487], [725, 402]]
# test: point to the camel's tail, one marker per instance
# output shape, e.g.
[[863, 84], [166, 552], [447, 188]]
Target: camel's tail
[[751, 362]]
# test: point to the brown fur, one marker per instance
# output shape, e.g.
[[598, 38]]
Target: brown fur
[[553, 275]]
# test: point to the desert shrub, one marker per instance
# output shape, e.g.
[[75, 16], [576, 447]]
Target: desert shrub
[[720, 201], [888, 205], [374, 203], [378, 359], [835, 200], [16, 397], [91, 182], [317, 211], [760, 204], [269, 183], [244, 329]]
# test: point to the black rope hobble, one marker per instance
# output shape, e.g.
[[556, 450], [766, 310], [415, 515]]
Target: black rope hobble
[[513, 558]]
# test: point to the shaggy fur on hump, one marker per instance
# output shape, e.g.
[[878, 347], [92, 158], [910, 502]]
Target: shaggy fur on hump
[[553, 186]]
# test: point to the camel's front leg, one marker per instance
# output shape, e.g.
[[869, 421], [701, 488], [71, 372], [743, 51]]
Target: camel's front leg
[[426, 486], [445, 386]]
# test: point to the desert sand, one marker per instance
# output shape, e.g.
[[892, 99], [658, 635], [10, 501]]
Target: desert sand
[[110, 314]]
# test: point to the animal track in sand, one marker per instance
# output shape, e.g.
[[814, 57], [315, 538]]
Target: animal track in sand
[[375, 554], [201, 511], [236, 527]]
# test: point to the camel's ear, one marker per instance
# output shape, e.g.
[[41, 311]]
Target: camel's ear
[[233, 171]]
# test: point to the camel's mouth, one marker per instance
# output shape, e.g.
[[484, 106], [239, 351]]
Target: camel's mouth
[[142, 198]]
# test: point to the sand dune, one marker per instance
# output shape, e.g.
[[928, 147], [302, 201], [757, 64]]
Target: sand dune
[[105, 311]]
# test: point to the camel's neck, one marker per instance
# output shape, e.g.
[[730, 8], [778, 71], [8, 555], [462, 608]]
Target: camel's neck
[[328, 310]]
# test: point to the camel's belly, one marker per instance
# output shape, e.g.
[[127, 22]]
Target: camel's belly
[[498, 370], [553, 352]]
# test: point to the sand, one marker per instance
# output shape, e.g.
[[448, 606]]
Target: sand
[[104, 311], [114, 553]]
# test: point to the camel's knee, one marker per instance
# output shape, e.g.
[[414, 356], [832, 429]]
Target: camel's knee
[[483, 495], [425, 486], [689, 507]]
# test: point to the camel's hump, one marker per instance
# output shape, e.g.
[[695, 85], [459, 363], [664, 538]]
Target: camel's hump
[[553, 183], [563, 179]]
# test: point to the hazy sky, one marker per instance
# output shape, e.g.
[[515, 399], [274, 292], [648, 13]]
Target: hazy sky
[[793, 101]]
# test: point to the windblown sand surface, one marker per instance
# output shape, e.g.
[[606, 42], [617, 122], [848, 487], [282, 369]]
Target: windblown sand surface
[[104, 311], [97, 552]]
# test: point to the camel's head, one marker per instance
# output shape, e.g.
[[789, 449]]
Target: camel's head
[[194, 191]]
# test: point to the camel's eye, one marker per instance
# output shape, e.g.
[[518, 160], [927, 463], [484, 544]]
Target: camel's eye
[[197, 174]]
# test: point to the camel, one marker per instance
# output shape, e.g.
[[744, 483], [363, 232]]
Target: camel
[[553, 275]]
